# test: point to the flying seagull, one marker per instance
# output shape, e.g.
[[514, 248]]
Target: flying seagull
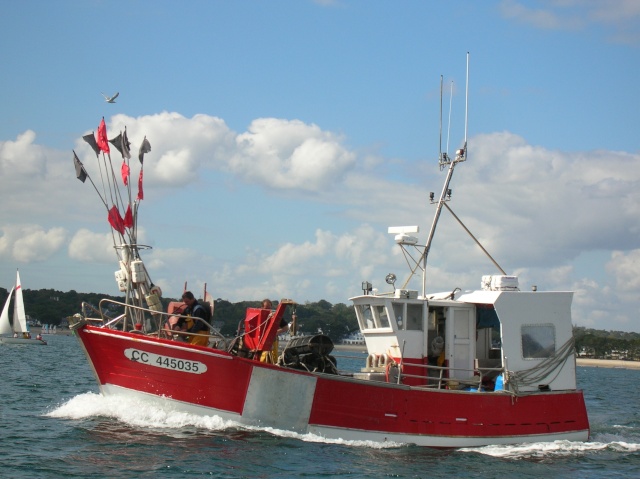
[[110, 99]]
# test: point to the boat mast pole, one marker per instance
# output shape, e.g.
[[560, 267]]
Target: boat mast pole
[[445, 195], [434, 223]]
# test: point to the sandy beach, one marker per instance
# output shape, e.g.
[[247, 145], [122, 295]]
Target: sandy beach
[[608, 363]]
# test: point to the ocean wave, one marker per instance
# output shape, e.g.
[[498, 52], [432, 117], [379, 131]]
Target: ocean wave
[[553, 449]]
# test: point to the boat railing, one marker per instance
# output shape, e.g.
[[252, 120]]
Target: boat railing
[[135, 314], [216, 339], [440, 377], [115, 320]]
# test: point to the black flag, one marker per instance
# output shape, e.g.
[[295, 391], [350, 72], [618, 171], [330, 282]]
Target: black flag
[[126, 144], [121, 142], [91, 139], [144, 148], [81, 173]]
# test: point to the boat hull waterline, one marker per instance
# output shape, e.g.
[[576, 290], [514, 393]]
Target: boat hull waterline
[[210, 382]]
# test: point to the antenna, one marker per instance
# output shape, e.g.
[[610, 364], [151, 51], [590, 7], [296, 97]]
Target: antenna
[[440, 159], [466, 110], [445, 195], [443, 158], [449, 125]]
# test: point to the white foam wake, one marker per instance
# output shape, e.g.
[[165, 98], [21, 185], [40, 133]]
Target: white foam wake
[[134, 413], [141, 414]]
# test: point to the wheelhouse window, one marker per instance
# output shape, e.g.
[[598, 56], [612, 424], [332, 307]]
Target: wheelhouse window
[[383, 317], [398, 312], [414, 317], [365, 316], [538, 341], [373, 316]]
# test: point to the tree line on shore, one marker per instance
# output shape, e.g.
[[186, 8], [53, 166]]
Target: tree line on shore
[[601, 344], [48, 306]]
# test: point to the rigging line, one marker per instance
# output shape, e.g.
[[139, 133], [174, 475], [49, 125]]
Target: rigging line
[[116, 190], [102, 175], [92, 183], [102, 180], [474, 238], [109, 177], [412, 269], [532, 376], [130, 231], [112, 190]]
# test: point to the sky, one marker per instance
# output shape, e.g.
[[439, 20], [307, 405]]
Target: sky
[[288, 135]]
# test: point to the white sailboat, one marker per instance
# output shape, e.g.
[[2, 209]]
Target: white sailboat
[[19, 333]]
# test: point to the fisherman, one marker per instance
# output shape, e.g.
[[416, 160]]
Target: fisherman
[[197, 320]]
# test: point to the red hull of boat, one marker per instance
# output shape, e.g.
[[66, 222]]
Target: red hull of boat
[[253, 393]]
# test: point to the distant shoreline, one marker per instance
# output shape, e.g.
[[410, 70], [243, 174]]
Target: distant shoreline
[[59, 332], [350, 347]]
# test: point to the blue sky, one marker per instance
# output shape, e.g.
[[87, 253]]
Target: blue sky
[[288, 135]]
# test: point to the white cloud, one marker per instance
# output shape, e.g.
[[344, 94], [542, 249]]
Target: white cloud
[[625, 267], [89, 247], [290, 155], [620, 17], [280, 154], [543, 206], [180, 147], [306, 270], [30, 243], [21, 157]]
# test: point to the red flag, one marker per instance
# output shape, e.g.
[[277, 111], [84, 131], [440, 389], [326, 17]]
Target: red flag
[[115, 220], [125, 172], [101, 140], [128, 218], [140, 192]]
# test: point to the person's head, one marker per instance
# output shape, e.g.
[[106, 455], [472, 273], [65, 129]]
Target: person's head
[[188, 298], [267, 304]]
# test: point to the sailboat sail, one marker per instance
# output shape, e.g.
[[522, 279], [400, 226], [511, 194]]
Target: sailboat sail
[[5, 326], [19, 332], [19, 316]]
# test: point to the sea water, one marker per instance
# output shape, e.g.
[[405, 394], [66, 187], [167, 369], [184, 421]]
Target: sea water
[[55, 424]]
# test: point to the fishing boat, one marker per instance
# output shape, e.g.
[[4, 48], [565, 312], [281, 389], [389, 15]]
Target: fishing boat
[[444, 370], [18, 333]]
